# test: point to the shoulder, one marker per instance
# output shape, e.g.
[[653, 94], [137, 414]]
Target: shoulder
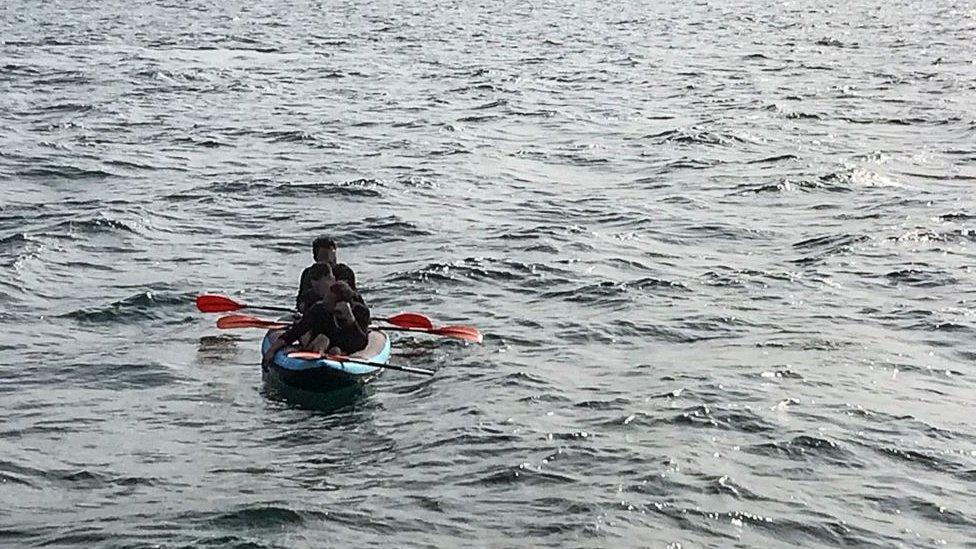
[[344, 273], [358, 305], [361, 313]]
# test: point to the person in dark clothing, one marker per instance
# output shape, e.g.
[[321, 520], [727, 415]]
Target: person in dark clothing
[[338, 322], [324, 250]]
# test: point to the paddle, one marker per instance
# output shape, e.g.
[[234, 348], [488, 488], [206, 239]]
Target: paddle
[[216, 303], [311, 355], [408, 320], [244, 321], [464, 333]]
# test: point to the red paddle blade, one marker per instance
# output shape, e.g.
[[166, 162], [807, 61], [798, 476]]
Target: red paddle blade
[[409, 320], [464, 333], [244, 321], [214, 303]]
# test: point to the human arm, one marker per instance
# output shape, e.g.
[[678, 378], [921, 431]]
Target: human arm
[[353, 323], [304, 285], [344, 273], [307, 323]]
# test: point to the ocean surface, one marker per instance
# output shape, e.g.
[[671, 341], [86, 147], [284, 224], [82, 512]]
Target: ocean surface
[[722, 254]]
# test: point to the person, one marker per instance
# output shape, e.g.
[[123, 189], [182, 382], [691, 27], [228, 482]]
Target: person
[[339, 321], [324, 250]]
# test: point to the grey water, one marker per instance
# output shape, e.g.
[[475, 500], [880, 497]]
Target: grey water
[[722, 253]]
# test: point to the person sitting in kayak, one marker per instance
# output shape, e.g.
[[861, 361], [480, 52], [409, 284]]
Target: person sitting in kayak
[[324, 250], [338, 322]]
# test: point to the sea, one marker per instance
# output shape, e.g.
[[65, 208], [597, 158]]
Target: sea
[[721, 251]]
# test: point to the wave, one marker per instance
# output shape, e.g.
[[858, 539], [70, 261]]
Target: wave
[[918, 458], [298, 136], [921, 278], [267, 190], [686, 164], [890, 121], [804, 116], [360, 188], [92, 226], [773, 159], [831, 42], [806, 448], [491, 105], [18, 70], [858, 177], [261, 517], [523, 476], [13, 241], [147, 305], [821, 248], [63, 171], [379, 229], [921, 507], [787, 185], [727, 420], [695, 136], [477, 269], [68, 107], [205, 142], [141, 166]]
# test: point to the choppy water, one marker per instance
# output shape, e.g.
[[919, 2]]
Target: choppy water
[[722, 253]]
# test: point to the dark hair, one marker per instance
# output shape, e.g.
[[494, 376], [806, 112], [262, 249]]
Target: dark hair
[[322, 242], [319, 270], [342, 291]]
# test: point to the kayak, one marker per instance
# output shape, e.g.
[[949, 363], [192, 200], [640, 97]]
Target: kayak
[[323, 375]]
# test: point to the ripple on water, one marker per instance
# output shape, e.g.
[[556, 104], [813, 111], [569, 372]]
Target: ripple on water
[[811, 449], [148, 305]]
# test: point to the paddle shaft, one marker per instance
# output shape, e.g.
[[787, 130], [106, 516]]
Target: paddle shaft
[[445, 331], [422, 371], [245, 321], [269, 308]]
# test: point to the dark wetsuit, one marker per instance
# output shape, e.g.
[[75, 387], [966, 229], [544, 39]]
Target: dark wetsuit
[[317, 320], [306, 296], [310, 298]]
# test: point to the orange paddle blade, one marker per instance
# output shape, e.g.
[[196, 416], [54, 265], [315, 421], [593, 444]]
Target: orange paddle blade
[[215, 303], [464, 333], [409, 320], [244, 321]]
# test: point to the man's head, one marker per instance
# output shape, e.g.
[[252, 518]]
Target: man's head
[[341, 291], [320, 276], [324, 250]]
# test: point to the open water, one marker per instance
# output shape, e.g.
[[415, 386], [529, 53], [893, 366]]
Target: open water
[[722, 252]]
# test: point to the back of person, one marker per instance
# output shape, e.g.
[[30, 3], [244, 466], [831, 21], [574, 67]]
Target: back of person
[[324, 250]]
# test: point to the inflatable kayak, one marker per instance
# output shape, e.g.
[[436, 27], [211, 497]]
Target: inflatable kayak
[[322, 375]]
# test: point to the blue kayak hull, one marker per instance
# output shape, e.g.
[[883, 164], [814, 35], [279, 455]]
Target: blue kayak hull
[[323, 375]]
